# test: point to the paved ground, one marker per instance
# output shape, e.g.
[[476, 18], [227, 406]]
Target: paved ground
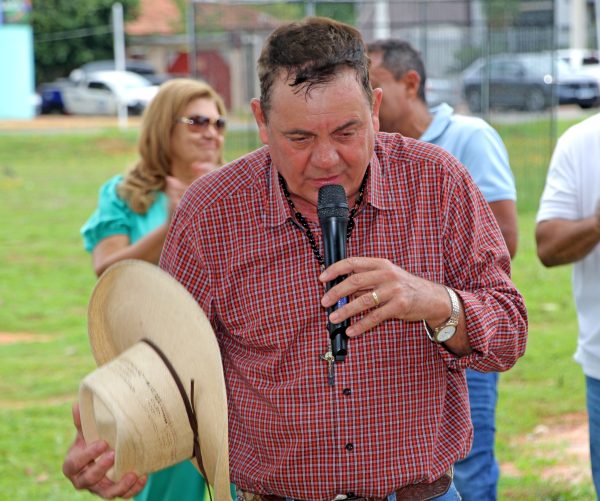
[[64, 122]]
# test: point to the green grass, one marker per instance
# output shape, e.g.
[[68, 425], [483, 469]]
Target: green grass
[[48, 187], [530, 146]]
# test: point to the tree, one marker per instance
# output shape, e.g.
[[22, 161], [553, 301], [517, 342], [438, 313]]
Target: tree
[[501, 13], [70, 33]]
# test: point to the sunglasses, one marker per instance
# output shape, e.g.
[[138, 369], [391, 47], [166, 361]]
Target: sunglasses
[[201, 122]]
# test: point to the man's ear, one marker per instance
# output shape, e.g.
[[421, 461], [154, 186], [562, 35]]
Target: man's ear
[[412, 81], [260, 119], [377, 97]]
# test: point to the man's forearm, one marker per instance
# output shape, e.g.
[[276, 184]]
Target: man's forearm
[[562, 241]]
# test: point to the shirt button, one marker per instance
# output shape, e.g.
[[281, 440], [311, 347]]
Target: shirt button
[[347, 391], [349, 447]]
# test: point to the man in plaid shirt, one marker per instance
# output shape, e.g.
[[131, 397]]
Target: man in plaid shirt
[[428, 285]]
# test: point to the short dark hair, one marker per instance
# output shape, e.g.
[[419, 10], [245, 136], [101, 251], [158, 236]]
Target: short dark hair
[[311, 51], [399, 57]]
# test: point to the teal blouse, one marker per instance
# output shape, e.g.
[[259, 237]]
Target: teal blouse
[[113, 216]]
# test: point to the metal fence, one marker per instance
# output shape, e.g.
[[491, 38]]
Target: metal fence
[[463, 55]]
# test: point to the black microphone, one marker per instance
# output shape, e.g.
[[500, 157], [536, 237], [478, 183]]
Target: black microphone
[[332, 208]]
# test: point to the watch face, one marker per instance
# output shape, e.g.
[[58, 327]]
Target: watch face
[[446, 333]]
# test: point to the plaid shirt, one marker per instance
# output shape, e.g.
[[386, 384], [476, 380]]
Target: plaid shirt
[[398, 412]]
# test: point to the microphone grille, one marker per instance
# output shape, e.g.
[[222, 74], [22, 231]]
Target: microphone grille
[[332, 202]]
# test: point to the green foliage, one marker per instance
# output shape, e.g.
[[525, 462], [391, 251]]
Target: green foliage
[[530, 148], [340, 11], [288, 11], [465, 56], [501, 12], [70, 33]]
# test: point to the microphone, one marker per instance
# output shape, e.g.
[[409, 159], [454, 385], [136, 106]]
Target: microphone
[[332, 209]]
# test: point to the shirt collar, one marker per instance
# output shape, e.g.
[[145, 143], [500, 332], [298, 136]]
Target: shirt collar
[[442, 114], [377, 195], [277, 211]]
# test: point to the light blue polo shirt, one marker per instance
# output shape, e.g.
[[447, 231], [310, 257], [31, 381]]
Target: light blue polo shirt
[[478, 147]]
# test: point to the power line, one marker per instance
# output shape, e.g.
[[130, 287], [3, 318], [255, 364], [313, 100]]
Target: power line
[[79, 33]]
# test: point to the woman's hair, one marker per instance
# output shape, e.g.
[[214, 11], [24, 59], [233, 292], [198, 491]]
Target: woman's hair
[[148, 176]]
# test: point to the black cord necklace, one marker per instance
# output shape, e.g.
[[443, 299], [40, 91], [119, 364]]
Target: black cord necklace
[[304, 223]]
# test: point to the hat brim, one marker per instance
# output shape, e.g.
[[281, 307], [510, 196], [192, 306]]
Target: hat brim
[[134, 300]]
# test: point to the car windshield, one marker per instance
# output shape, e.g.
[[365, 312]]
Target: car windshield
[[543, 64], [536, 64]]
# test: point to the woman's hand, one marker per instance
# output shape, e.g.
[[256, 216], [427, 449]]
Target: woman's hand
[[201, 168], [86, 467], [175, 187], [174, 190]]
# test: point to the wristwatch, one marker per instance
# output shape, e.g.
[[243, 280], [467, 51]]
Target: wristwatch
[[445, 331]]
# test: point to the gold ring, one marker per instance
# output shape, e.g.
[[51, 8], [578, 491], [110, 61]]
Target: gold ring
[[375, 298]]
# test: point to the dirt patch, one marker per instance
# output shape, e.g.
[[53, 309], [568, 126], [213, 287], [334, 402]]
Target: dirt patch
[[22, 337], [565, 441], [114, 145], [14, 405]]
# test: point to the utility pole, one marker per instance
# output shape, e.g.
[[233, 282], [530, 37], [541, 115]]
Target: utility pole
[[191, 32], [597, 18], [119, 54], [382, 19], [578, 25]]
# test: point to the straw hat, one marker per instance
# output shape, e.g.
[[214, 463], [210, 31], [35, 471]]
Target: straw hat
[[140, 321]]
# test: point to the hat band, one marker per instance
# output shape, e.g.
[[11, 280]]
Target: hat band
[[189, 406]]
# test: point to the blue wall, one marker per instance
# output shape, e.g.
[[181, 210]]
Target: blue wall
[[17, 83]]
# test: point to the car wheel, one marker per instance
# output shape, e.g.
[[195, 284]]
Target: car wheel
[[535, 100], [474, 100], [586, 105], [135, 110]]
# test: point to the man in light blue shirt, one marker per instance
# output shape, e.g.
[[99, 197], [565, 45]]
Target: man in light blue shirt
[[398, 69]]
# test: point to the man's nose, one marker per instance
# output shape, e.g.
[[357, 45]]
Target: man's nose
[[325, 155]]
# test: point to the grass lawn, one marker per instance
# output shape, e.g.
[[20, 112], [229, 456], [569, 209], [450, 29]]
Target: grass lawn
[[48, 187]]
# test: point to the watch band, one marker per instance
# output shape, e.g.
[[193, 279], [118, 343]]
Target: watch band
[[452, 321]]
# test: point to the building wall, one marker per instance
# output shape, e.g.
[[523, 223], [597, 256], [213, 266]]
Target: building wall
[[17, 84]]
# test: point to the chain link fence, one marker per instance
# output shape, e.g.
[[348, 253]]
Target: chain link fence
[[505, 74]]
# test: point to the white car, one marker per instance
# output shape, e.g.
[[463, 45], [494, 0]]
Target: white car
[[584, 61], [101, 92]]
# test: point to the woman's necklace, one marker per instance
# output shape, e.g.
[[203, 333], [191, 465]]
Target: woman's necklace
[[304, 223]]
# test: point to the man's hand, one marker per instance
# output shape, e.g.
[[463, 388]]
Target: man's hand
[[385, 291], [86, 467], [398, 294]]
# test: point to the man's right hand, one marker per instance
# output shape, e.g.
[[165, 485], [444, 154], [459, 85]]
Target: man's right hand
[[86, 467]]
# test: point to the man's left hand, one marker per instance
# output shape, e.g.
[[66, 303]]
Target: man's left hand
[[383, 291]]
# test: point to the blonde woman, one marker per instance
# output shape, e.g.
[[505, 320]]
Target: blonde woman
[[182, 137]]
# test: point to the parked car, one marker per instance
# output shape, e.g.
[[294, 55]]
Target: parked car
[[143, 68], [584, 61], [527, 81], [579, 58], [101, 92], [51, 100]]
